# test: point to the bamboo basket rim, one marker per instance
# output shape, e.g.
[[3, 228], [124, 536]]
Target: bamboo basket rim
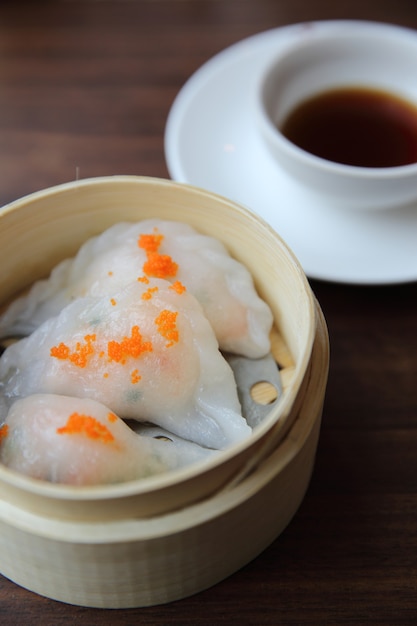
[[142, 486]]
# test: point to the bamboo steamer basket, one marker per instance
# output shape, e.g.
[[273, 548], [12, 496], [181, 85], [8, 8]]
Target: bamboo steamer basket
[[163, 538]]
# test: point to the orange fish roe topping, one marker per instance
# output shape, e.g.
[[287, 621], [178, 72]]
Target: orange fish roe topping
[[112, 418], [147, 295], [167, 326], [160, 266], [132, 346], [150, 243], [143, 279], [135, 377], [4, 431], [79, 356], [110, 273], [78, 424], [178, 287], [113, 301]]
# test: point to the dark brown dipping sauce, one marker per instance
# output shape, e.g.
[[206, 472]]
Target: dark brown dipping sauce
[[356, 126]]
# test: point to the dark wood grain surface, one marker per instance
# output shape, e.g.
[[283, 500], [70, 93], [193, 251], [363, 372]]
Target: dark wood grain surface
[[85, 89]]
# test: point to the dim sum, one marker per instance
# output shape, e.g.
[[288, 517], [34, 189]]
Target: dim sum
[[81, 442], [147, 352], [155, 248]]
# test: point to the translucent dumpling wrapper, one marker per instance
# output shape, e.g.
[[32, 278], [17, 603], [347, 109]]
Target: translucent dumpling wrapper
[[147, 352], [81, 442], [165, 249]]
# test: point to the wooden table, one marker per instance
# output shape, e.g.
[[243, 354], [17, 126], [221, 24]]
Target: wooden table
[[85, 89]]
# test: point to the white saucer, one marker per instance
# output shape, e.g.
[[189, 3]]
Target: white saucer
[[211, 142]]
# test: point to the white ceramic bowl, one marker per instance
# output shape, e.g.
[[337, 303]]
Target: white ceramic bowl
[[350, 54]]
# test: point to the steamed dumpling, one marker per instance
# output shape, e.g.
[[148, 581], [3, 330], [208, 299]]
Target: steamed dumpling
[[147, 352], [81, 442], [171, 250]]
